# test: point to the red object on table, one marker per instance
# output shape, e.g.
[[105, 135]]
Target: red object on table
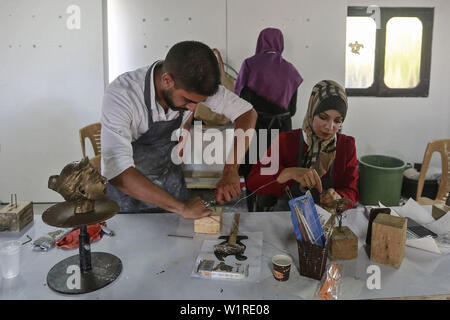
[[70, 240]]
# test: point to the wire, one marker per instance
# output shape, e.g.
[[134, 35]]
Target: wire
[[267, 184]]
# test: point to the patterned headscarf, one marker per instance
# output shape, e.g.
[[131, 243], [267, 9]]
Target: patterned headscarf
[[326, 94]]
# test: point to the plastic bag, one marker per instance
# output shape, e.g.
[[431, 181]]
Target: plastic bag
[[330, 286]]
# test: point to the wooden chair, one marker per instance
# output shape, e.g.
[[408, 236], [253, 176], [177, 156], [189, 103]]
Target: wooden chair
[[443, 147], [92, 132], [95, 161]]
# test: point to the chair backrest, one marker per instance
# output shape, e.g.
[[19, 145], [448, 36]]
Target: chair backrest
[[204, 113], [227, 80], [92, 132], [96, 162], [443, 147]]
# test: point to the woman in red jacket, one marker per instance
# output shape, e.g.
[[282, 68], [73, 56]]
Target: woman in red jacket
[[315, 157]]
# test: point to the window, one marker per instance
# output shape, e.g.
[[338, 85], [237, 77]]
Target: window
[[388, 51]]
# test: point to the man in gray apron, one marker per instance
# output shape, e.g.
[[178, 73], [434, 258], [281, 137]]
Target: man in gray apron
[[142, 109]]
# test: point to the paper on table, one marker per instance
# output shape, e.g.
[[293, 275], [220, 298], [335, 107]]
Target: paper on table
[[393, 212], [427, 243], [440, 226], [415, 211]]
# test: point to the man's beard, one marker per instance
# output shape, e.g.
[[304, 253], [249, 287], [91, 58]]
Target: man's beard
[[168, 100]]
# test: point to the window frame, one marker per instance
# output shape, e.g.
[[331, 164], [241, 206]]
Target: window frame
[[378, 87]]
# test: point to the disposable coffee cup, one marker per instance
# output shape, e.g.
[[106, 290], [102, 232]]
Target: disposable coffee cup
[[10, 258], [281, 267]]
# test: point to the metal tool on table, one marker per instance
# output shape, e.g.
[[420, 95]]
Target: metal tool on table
[[211, 203], [232, 244], [107, 231]]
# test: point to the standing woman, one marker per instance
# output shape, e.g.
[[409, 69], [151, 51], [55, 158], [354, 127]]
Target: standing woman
[[270, 83], [267, 80], [316, 157]]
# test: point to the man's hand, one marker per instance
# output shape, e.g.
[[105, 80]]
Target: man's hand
[[229, 186], [306, 177], [194, 209], [133, 183], [328, 197]]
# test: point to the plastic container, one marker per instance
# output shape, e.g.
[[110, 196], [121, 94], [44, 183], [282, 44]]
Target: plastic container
[[380, 179], [10, 258], [409, 187]]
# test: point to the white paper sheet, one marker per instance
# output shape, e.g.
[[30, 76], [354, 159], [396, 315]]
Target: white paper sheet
[[415, 211], [427, 243]]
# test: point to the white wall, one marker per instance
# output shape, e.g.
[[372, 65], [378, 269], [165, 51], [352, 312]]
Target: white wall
[[47, 92], [142, 31], [313, 43]]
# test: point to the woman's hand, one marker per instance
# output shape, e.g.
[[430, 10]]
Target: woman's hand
[[305, 177], [328, 197]]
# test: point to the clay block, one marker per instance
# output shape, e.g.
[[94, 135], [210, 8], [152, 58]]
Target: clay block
[[211, 224], [344, 244], [388, 240], [15, 219]]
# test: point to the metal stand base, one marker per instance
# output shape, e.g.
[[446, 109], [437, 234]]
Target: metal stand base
[[66, 276]]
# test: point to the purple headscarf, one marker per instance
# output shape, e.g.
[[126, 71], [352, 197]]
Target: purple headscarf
[[267, 73]]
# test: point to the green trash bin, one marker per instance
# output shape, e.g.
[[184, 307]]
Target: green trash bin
[[380, 179]]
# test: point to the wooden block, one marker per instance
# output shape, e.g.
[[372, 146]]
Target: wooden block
[[202, 183], [439, 210], [15, 219], [344, 244], [211, 224], [388, 240]]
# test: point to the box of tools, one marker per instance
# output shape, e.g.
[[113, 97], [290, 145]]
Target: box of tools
[[16, 216]]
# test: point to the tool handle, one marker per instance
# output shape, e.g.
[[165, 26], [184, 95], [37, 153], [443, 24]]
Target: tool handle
[[234, 229]]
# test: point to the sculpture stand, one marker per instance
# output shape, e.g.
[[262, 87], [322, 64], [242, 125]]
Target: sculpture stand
[[86, 271]]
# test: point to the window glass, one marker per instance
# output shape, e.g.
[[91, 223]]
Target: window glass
[[403, 52], [360, 52]]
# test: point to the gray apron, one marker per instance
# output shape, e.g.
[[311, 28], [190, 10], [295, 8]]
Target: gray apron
[[282, 203], [152, 158]]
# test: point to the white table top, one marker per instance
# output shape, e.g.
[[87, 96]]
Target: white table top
[[157, 266]]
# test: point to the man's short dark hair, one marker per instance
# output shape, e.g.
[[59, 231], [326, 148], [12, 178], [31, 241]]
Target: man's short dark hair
[[194, 67]]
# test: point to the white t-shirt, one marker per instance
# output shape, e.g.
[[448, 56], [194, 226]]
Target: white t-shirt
[[125, 117]]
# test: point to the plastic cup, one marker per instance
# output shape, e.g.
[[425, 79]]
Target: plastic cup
[[281, 267], [10, 258]]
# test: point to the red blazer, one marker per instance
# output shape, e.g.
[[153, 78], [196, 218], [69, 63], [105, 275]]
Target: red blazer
[[345, 171]]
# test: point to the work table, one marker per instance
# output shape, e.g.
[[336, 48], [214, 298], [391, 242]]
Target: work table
[[158, 266]]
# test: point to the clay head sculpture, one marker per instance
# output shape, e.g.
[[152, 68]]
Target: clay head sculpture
[[79, 182]]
